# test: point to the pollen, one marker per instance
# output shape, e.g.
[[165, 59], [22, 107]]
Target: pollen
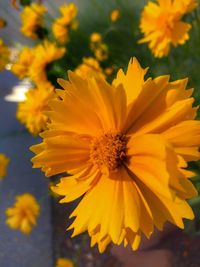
[[109, 150]]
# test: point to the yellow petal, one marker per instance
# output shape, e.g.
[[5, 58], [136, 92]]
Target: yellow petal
[[132, 81]]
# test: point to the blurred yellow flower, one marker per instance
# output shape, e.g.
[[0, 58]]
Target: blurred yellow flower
[[60, 32], [109, 71], [4, 55], [126, 150], [24, 60], [4, 160], [65, 22], [31, 111], [63, 262], [162, 24], [95, 37], [98, 47], [2, 23], [32, 20], [23, 214], [89, 67], [45, 53], [101, 52], [115, 15]]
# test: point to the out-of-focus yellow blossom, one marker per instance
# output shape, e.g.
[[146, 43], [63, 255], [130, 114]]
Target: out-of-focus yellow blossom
[[95, 37], [63, 262], [23, 214], [65, 22], [23, 62], [69, 12], [101, 52], [162, 25], [4, 55], [115, 15], [2, 23], [31, 111], [109, 71], [45, 53], [99, 49], [60, 32], [89, 67], [32, 20], [4, 160]]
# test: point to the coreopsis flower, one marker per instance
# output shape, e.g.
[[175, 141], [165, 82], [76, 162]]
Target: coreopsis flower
[[65, 22], [63, 262], [4, 160], [44, 54], [162, 24], [4, 54], [31, 112], [24, 60], [115, 15], [89, 67], [126, 146], [23, 214], [32, 20]]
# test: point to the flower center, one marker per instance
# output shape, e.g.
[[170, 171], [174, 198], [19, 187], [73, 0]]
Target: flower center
[[109, 150]]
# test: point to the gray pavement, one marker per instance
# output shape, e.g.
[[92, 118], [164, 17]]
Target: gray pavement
[[16, 249]]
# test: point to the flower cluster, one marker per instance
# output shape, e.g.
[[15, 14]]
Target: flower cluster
[[99, 48]]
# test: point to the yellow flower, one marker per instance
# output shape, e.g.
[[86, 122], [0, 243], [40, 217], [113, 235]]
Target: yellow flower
[[2, 23], [23, 214], [95, 37], [89, 67], [60, 32], [32, 20], [31, 111], [69, 12], [115, 15], [4, 160], [23, 62], [63, 262], [98, 47], [126, 146], [162, 25], [4, 55], [45, 54], [101, 52], [62, 24]]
